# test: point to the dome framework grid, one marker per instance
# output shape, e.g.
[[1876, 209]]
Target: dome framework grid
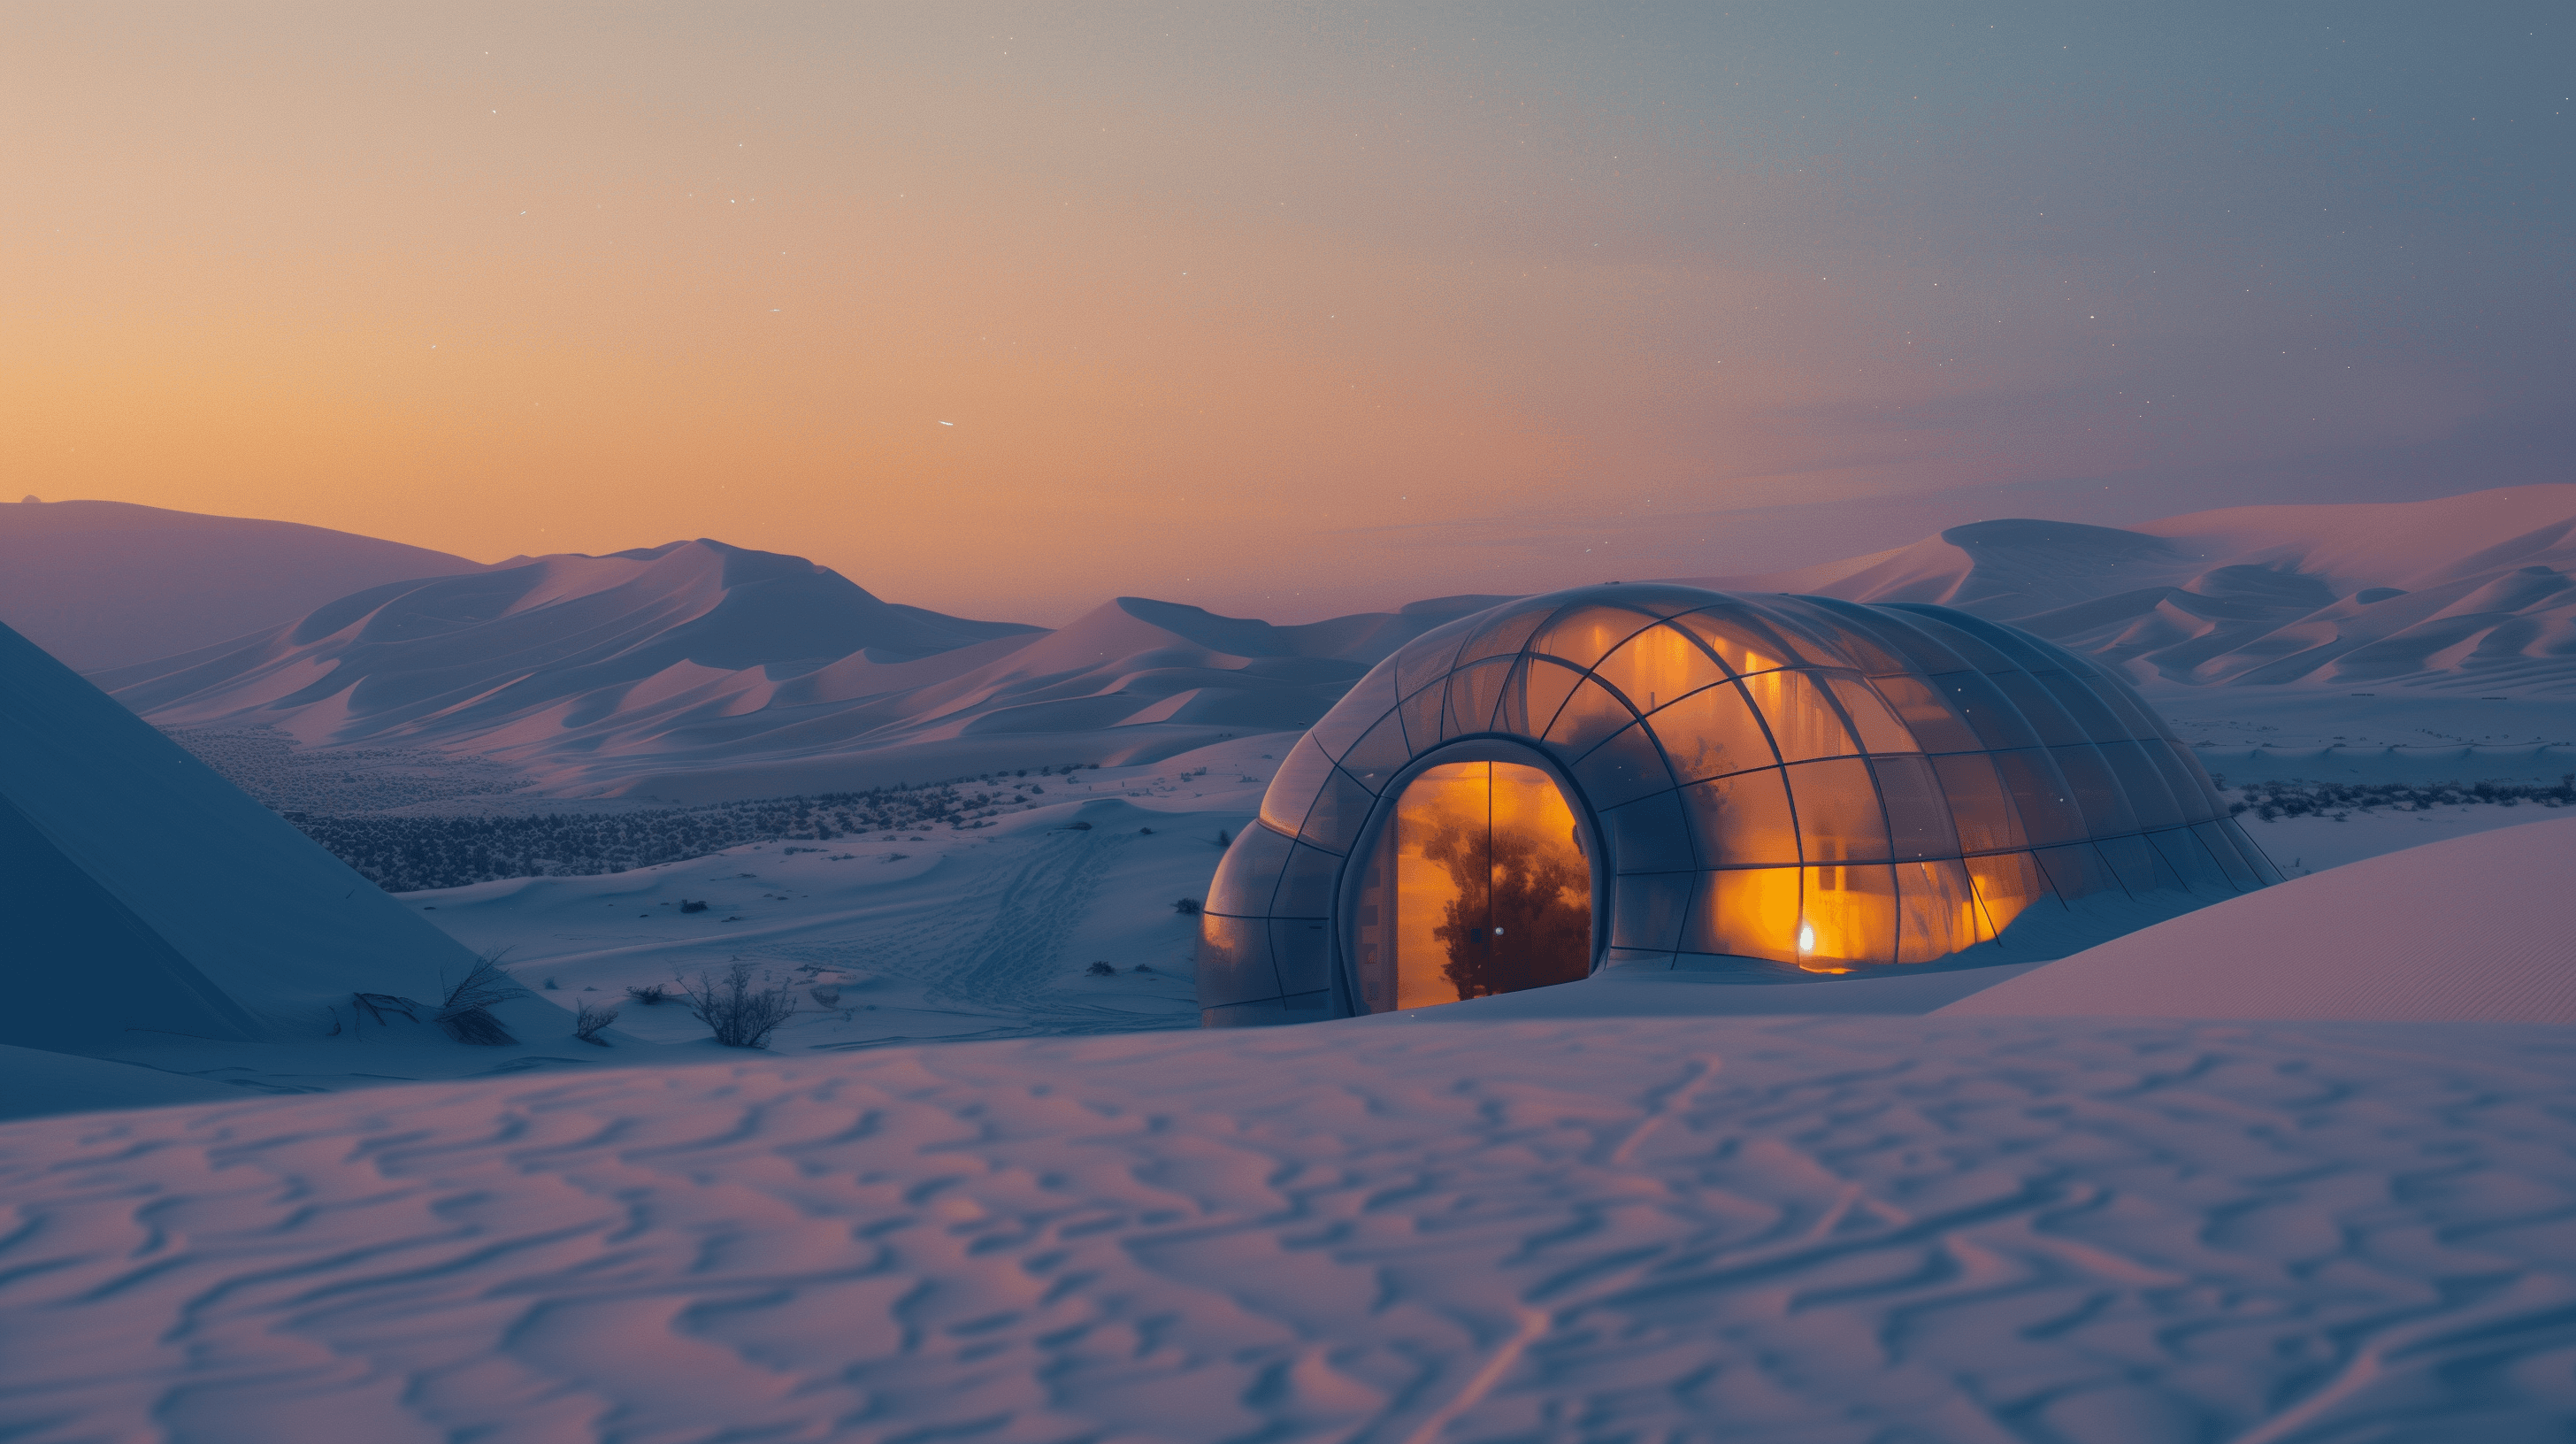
[[1769, 788]]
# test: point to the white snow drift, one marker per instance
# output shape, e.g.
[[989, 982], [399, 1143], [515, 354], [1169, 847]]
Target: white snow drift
[[2481, 927], [1976, 1230]]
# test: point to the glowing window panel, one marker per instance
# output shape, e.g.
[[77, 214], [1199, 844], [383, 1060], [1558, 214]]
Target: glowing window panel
[[1491, 891]]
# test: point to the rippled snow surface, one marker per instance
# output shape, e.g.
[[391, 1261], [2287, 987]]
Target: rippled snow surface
[[1859, 1229]]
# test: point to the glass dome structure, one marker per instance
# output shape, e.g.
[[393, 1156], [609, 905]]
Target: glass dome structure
[[1757, 788]]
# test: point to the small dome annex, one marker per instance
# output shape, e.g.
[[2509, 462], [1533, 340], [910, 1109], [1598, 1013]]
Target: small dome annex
[[1747, 788]]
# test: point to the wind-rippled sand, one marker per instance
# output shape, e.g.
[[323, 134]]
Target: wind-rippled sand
[[1859, 1229]]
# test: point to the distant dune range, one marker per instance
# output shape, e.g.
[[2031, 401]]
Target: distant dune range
[[109, 584], [698, 671], [2465, 593], [695, 671]]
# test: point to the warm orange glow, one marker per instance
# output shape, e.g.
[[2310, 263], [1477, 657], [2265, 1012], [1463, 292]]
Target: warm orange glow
[[1940, 914], [1492, 890], [1748, 913], [1803, 723], [2006, 883], [1848, 917], [1588, 634], [1738, 644], [1658, 665]]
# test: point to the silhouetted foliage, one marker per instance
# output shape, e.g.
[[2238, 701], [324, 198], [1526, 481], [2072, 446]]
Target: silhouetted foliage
[[1514, 923], [2268, 800], [466, 1014], [738, 1013], [409, 854]]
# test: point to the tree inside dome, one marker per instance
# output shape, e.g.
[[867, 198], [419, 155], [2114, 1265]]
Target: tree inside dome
[[1491, 891]]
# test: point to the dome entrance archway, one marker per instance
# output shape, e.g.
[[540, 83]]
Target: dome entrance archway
[[1479, 881]]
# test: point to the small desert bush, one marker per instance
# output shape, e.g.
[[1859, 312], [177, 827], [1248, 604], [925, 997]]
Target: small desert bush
[[591, 1022], [651, 996], [738, 1013], [466, 1015]]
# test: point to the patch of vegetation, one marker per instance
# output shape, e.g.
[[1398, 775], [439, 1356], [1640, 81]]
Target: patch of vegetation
[[739, 1013], [408, 854], [2269, 800]]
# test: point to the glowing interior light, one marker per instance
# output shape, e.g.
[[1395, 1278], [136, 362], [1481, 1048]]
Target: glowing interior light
[[1806, 937]]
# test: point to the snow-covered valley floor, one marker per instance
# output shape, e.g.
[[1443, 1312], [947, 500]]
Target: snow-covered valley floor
[[937, 934], [1857, 1229]]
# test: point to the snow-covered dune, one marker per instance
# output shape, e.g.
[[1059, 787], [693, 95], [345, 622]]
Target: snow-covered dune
[[697, 670], [2461, 593], [109, 584], [2480, 928], [1687, 1230], [700, 672]]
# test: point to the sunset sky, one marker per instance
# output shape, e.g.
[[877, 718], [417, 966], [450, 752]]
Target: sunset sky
[[1284, 310]]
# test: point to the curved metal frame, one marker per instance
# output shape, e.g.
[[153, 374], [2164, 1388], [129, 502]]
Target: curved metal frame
[[1930, 775]]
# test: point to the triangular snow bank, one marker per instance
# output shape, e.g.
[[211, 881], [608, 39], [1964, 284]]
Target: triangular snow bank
[[2472, 929], [141, 891]]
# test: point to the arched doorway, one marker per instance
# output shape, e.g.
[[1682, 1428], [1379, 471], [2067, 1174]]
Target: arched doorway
[[1479, 884]]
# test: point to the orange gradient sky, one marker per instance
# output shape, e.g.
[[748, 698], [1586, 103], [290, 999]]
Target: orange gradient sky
[[1282, 311]]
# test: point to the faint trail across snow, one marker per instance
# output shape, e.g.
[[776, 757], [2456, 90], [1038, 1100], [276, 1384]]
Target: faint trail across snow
[[998, 946], [1032, 915], [1534, 1323]]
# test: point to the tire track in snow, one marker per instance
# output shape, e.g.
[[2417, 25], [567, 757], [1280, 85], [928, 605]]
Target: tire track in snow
[[1030, 912], [1034, 914]]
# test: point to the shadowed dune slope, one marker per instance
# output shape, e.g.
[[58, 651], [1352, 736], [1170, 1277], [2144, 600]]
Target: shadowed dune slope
[[109, 584], [2472, 929], [143, 894], [616, 673]]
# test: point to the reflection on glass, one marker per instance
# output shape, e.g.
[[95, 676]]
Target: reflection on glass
[[1940, 916], [1293, 788], [1880, 730], [1748, 913], [1491, 891], [1657, 665], [2006, 883], [1803, 723], [1743, 819], [1848, 918], [1712, 732], [1586, 634], [1739, 641], [1587, 719], [1838, 814]]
